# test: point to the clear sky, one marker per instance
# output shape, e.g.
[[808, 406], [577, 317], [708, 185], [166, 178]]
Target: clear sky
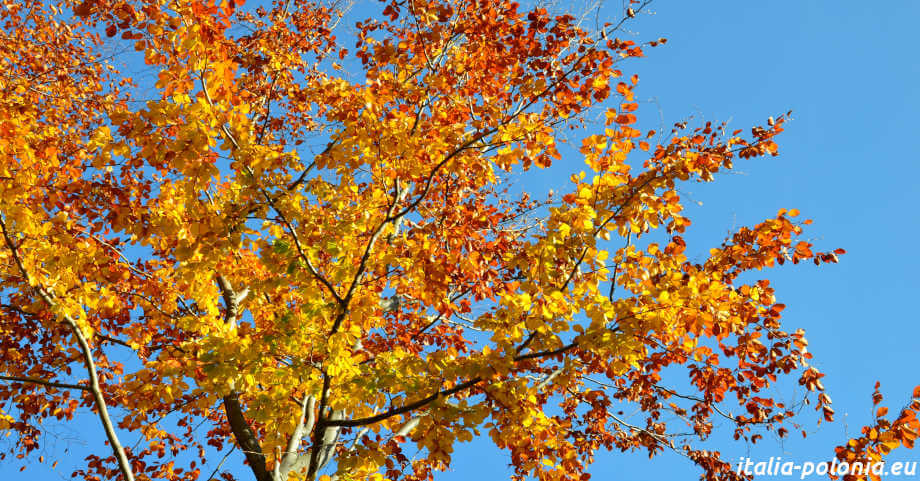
[[848, 71]]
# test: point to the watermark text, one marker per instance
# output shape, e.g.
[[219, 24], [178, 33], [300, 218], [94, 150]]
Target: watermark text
[[776, 466]]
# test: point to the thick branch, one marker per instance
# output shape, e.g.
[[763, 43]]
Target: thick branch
[[321, 425], [245, 437], [291, 459], [232, 299], [243, 434], [330, 438]]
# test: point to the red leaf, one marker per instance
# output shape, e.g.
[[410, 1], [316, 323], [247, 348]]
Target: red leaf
[[84, 9]]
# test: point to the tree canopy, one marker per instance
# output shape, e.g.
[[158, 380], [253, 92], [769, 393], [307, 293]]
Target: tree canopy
[[306, 242]]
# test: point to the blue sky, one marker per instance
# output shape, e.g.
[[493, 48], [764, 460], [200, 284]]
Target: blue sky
[[847, 70]]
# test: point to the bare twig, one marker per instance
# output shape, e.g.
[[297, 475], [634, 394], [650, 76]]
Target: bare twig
[[221, 463], [33, 380]]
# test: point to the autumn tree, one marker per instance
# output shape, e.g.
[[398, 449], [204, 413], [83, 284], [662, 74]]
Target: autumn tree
[[303, 240]]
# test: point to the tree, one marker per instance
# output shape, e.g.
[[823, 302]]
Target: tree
[[323, 266]]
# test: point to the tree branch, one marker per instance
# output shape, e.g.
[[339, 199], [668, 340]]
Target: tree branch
[[245, 437], [291, 459], [240, 428], [88, 362], [406, 408], [221, 463], [43, 382]]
